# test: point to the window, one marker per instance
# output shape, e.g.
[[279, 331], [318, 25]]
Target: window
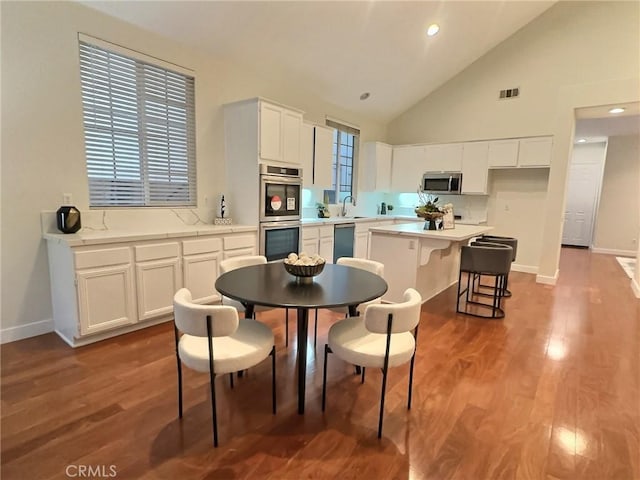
[[139, 128], [345, 153]]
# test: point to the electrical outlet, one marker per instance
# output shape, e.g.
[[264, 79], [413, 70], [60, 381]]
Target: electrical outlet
[[67, 199]]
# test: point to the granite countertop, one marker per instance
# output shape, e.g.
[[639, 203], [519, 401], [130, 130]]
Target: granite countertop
[[95, 237]]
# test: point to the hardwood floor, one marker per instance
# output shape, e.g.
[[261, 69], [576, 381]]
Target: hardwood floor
[[549, 392]]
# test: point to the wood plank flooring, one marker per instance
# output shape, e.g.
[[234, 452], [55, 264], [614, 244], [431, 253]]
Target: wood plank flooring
[[549, 392]]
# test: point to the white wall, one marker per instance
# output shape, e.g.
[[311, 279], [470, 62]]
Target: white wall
[[617, 219], [575, 54], [42, 137]]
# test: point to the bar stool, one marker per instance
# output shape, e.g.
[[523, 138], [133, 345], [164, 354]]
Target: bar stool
[[513, 243], [489, 259]]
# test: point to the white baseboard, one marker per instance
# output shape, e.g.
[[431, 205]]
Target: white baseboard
[[635, 287], [548, 280], [613, 251], [20, 332], [524, 268]]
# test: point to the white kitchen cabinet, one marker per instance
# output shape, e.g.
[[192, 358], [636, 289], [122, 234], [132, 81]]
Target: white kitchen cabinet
[[503, 153], [271, 131], [377, 167], [306, 154], [445, 157], [475, 167], [240, 245], [105, 291], [310, 241], [360, 244], [201, 266], [535, 152], [407, 167], [325, 248], [323, 157], [291, 130], [158, 278]]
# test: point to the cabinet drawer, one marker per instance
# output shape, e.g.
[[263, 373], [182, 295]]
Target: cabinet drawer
[[156, 251], [102, 258], [326, 231], [241, 241], [309, 233], [204, 245]]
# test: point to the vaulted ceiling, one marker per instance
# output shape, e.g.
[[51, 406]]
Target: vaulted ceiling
[[340, 49]]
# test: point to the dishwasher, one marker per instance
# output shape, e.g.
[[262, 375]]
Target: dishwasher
[[343, 240]]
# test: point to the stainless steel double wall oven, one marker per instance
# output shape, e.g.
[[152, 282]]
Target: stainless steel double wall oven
[[280, 210]]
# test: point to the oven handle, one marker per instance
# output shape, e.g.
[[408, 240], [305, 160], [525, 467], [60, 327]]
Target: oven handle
[[276, 179], [274, 225]]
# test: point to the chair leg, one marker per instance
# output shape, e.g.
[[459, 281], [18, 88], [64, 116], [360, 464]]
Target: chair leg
[[384, 389], [231, 379], [458, 294], [273, 378], [179, 363], [410, 381], [363, 370], [315, 329], [286, 325], [212, 383], [327, 350]]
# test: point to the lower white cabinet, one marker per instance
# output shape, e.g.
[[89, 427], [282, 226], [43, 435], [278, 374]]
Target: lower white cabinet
[[103, 290], [318, 240], [361, 244], [105, 298]]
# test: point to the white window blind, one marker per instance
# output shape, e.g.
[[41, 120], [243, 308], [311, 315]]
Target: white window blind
[[139, 126]]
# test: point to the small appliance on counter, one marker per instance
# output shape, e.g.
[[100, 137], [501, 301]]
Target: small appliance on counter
[[68, 219]]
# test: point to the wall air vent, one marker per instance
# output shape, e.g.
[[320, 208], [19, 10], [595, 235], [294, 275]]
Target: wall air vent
[[509, 93]]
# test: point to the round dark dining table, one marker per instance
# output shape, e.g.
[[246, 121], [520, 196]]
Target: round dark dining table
[[271, 285]]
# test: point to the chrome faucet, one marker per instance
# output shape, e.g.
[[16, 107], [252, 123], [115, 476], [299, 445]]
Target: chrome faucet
[[343, 212]]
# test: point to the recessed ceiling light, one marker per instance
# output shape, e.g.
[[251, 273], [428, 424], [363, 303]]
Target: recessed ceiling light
[[616, 110], [365, 95], [582, 140], [433, 29]]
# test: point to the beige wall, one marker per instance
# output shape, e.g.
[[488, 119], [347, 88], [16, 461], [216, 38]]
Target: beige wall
[[617, 217], [42, 137], [574, 55]]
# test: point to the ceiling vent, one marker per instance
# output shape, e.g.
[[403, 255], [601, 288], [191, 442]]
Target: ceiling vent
[[509, 93]]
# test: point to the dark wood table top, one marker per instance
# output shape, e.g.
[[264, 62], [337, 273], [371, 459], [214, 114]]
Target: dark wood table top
[[271, 285]]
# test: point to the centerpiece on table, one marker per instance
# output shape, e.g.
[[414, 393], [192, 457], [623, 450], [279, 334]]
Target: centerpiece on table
[[429, 210]]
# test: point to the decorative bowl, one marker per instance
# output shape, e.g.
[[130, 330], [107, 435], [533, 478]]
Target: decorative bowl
[[304, 273]]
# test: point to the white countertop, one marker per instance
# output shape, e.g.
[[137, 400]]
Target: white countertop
[[457, 234], [408, 218], [95, 237]]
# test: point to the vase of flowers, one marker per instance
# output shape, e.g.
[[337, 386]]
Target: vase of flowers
[[429, 210]]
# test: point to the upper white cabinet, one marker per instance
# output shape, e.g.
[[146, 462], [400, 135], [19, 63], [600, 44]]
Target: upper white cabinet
[[445, 157], [407, 167], [316, 155], [535, 152], [520, 152], [279, 133], [377, 167], [475, 157], [503, 153], [322, 156]]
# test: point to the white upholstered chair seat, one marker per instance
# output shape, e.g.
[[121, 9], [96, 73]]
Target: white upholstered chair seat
[[351, 341], [247, 346]]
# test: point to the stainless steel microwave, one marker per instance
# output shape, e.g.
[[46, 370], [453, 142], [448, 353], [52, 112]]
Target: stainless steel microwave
[[442, 182]]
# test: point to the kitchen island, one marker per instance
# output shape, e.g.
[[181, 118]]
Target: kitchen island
[[426, 260]]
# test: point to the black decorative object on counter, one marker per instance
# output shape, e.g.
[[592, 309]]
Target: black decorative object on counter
[[68, 219]]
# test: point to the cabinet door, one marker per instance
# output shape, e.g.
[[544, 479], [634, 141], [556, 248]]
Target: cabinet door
[[326, 249], [239, 252], [323, 157], [310, 247], [270, 132], [503, 153], [407, 168], [200, 273], [105, 298], [157, 283], [291, 130], [360, 244], [535, 152], [306, 155], [475, 167], [376, 173], [446, 157]]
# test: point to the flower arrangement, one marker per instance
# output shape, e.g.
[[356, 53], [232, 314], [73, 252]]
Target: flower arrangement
[[323, 210], [428, 208]]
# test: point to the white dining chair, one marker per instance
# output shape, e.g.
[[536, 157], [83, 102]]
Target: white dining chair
[[364, 264], [384, 337], [215, 340], [232, 263]]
